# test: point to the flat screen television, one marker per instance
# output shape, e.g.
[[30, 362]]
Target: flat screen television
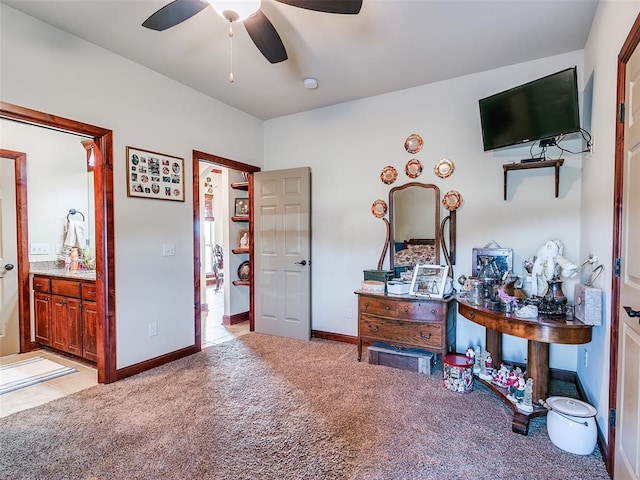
[[538, 110]]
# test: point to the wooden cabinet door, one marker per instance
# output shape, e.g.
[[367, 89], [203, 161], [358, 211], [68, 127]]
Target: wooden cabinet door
[[74, 326], [42, 313], [65, 322], [90, 331]]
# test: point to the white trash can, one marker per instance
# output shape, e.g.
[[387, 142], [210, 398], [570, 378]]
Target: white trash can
[[571, 425]]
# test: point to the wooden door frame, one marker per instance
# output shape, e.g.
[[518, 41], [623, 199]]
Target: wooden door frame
[[104, 221], [211, 159], [20, 168], [630, 44]]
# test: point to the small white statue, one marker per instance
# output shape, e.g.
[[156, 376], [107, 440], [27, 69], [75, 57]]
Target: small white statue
[[527, 401], [550, 264]]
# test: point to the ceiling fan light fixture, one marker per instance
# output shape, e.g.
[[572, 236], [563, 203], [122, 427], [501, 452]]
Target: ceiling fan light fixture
[[235, 10]]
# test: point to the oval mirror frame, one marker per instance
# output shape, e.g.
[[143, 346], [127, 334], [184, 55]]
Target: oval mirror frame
[[401, 209]]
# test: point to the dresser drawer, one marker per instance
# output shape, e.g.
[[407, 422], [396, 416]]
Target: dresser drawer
[[421, 311], [420, 334], [89, 291], [41, 284], [67, 288], [378, 306]]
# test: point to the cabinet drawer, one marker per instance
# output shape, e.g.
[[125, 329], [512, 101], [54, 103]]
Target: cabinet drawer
[[425, 334], [89, 291], [421, 311], [378, 306], [41, 284], [68, 288]]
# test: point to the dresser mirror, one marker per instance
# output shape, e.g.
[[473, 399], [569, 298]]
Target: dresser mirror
[[414, 230]]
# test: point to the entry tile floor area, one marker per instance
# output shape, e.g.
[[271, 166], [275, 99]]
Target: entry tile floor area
[[40, 393], [213, 333]]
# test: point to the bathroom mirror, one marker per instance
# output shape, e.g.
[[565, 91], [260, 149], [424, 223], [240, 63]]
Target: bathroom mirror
[[414, 218]]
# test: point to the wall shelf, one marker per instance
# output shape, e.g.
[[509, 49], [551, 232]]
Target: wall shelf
[[507, 167], [240, 185], [241, 282], [240, 250], [240, 218]]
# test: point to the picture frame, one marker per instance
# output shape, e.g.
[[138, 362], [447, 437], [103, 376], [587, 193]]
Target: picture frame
[[241, 207], [154, 175], [501, 258], [243, 238], [429, 280]]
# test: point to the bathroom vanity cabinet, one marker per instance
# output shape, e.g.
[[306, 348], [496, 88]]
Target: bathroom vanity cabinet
[[65, 315]]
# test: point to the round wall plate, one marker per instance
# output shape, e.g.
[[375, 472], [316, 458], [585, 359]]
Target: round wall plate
[[413, 168], [413, 143], [379, 208], [243, 271], [444, 168], [388, 175], [452, 200]]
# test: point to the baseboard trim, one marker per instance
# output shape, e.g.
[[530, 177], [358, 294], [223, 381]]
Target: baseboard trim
[[155, 362], [602, 444], [336, 337], [235, 318]]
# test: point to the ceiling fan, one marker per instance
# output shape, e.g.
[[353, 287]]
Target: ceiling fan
[[258, 26]]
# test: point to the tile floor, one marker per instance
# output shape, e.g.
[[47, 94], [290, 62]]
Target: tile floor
[[213, 332]]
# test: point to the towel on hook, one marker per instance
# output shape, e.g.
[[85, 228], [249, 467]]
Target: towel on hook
[[74, 235]]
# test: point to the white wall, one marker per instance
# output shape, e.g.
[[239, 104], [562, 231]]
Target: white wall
[[609, 30], [48, 70], [346, 147], [57, 180]]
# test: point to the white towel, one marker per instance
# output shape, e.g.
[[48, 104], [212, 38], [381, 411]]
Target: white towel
[[75, 234]]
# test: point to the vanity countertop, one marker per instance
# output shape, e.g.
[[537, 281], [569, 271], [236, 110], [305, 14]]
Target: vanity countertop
[[53, 269]]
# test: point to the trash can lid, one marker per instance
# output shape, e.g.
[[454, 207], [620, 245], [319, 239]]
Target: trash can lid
[[571, 406], [458, 360]]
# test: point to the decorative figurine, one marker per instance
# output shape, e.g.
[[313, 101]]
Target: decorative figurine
[[471, 354], [527, 400], [486, 367], [478, 359]]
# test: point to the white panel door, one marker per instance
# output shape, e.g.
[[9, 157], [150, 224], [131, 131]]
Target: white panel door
[[282, 253], [9, 318], [627, 449]]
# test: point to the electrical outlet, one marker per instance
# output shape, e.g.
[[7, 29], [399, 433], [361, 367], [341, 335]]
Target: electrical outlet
[[153, 329], [39, 248], [349, 313], [168, 249]]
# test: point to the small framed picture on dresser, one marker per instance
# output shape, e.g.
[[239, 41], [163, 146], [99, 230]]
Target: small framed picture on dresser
[[429, 280]]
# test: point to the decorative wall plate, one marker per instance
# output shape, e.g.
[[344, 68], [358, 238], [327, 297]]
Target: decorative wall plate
[[452, 200], [243, 271], [379, 208], [388, 175], [413, 168], [444, 168], [413, 143]]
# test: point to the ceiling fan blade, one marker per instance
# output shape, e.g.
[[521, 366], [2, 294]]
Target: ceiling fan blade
[[265, 36], [348, 7], [174, 13]]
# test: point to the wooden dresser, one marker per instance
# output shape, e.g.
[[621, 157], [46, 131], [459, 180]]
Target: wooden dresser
[[406, 321]]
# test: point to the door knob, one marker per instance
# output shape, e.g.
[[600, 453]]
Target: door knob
[[303, 263], [9, 266], [632, 313]]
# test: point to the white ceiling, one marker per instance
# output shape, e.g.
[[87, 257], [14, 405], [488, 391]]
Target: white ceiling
[[390, 45]]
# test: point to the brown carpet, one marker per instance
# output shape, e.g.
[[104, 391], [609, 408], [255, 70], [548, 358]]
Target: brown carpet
[[262, 407]]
